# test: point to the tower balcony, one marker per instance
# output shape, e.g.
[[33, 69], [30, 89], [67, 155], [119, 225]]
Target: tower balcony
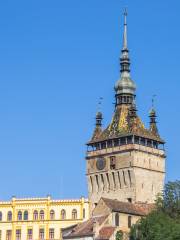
[[130, 143]]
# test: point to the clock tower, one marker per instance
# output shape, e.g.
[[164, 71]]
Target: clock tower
[[126, 160]]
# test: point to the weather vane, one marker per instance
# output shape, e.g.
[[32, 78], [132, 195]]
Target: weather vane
[[125, 11], [100, 103], [153, 100]]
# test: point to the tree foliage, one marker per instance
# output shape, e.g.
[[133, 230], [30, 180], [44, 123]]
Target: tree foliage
[[164, 222], [119, 235], [170, 202]]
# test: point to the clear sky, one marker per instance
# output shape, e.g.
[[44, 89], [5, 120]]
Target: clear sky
[[56, 59]]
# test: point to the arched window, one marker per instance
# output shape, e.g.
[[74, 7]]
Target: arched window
[[41, 215], [9, 216], [52, 215], [117, 219], [25, 215], [19, 216], [74, 214], [0, 216], [35, 215], [63, 214]]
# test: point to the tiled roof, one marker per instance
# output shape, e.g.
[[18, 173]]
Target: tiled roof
[[123, 125], [140, 209], [85, 228], [105, 233]]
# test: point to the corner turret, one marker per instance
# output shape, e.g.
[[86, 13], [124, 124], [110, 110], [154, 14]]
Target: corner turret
[[153, 123]]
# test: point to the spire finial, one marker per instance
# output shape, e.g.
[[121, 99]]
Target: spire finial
[[125, 12], [153, 100], [153, 111], [100, 104], [125, 30]]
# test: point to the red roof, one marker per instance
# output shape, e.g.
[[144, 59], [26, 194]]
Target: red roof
[[105, 233], [139, 209], [85, 228]]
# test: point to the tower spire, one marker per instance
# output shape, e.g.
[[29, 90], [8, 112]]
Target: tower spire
[[125, 87], [124, 60]]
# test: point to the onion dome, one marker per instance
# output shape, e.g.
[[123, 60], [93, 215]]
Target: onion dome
[[125, 85]]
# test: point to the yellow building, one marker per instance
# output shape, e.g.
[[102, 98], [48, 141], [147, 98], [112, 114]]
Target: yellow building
[[40, 218]]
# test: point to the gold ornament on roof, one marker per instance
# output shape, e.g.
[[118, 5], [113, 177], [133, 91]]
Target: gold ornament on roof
[[123, 123]]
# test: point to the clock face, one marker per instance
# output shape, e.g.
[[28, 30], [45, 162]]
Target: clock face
[[100, 163]]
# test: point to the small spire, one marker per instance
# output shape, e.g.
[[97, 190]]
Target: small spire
[[99, 116], [153, 116], [152, 113], [98, 127]]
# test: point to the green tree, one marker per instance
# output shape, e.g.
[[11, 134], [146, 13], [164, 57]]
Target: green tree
[[171, 199], [119, 235], [164, 222]]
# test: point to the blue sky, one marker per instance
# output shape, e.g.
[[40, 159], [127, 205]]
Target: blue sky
[[56, 59]]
